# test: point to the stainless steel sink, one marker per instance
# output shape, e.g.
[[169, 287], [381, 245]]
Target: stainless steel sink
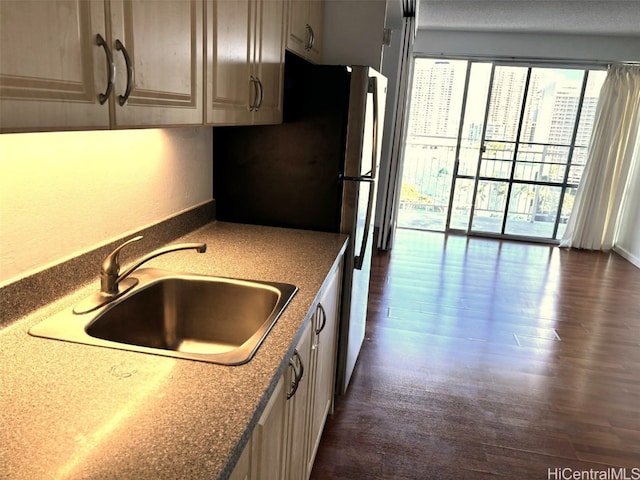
[[211, 319]]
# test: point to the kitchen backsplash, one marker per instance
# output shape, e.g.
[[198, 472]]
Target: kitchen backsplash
[[27, 294]]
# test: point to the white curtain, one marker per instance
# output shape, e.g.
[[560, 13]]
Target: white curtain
[[593, 221], [390, 201]]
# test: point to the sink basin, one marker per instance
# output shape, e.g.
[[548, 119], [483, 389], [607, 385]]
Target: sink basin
[[211, 319]]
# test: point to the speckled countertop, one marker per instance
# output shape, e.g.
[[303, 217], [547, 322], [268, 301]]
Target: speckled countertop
[[71, 411]]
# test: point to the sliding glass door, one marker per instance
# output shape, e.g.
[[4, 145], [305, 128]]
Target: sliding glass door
[[512, 162], [430, 144]]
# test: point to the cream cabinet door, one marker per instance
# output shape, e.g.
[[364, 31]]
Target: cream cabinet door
[[298, 408], [324, 353], [245, 61], [268, 439], [269, 61], [298, 26], [230, 87], [242, 470], [316, 21], [164, 43], [52, 71], [304, 33]]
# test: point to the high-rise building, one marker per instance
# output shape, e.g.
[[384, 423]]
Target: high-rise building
[[505, 106], [436, 98]]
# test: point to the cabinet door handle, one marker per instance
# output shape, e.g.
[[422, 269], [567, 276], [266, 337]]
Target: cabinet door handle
[[294, 382], [253, 104], [122, 99], [297, 374], [261, 95], [324, 319], [307, 40], [312, 37], [103, 97]]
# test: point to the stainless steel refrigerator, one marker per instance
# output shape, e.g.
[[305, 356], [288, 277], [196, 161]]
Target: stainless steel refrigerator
[[315, 171]]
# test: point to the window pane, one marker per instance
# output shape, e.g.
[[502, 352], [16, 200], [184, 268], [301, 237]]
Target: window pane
[[552, 105], [429, 156], [587, 115], [579, 156], [436, 98], [505, 106], [567, 206], [532, 210], [541, 163], [462, 201], [426, 184], [497, 160], [471, 139], [489, 209], [575, 174]]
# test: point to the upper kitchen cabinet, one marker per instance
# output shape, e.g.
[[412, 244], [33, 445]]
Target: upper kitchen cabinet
[[269, 60], [52, 70], [245, 61], [230, 90], [305, 28], [157, 48], [76, 64]]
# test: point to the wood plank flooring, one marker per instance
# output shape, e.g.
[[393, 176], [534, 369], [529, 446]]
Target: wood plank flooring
[[491, 359]]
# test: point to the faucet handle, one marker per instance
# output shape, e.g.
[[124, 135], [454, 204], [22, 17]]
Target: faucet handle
[[109, 289], [111, 263]]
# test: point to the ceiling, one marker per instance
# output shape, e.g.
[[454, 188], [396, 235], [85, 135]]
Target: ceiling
[[593, 17]]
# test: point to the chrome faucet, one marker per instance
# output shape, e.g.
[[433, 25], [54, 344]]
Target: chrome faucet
[[114, 284], [110, 276]]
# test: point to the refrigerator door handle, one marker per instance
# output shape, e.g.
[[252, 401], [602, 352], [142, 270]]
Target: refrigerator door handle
[[373, 88], [364, 178], [358, 261]]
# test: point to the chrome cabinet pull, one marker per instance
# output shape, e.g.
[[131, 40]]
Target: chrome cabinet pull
[[294, 382], [307, 40], [254, 101], [103, 97], [122, 99], [324, 319], [251, 102], [312, 38], [297, 374], [261, 95]]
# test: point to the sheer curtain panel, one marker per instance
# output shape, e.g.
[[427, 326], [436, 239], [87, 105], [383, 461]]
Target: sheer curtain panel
[[592, 224]]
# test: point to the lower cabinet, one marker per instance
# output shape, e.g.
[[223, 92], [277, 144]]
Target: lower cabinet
[[242, 470], [324, 345], [268, 446], [299, 377], [285, 440]]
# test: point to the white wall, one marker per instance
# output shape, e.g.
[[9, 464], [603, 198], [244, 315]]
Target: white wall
[[628, 239], [65, 193], [353, 32]]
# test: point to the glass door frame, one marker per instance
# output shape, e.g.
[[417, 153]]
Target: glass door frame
[[511, 181], [456, 165]]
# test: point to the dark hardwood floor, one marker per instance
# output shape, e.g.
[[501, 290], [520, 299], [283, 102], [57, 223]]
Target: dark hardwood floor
[[491, 359]]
